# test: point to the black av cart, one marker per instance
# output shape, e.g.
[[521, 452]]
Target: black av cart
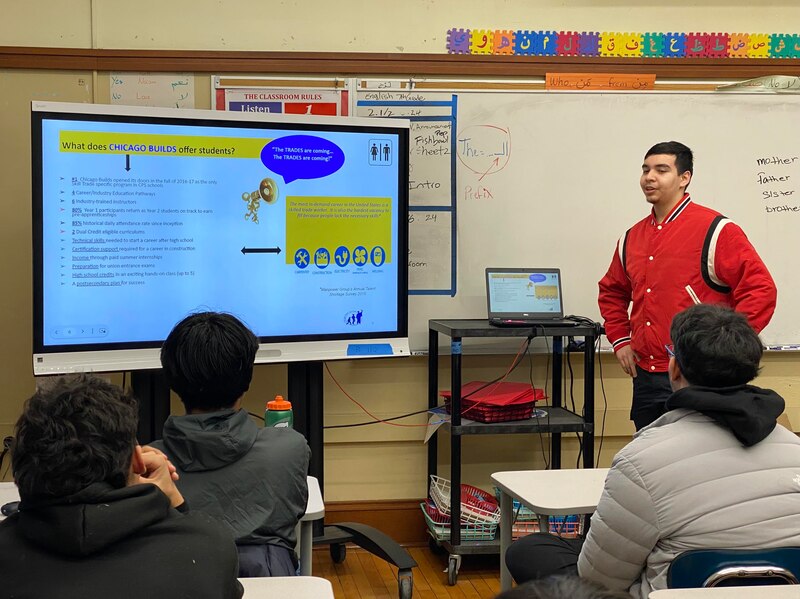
[[559, 419]]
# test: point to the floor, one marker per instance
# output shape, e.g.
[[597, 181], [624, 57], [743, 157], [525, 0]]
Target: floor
[[364, 576]]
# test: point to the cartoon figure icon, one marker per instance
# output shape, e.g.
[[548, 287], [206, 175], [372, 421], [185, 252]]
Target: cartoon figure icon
[[341, 256], [380, 152], [301, 258], [267, 191], [360, 256], [377, 256], [354, 318], [322, 258]]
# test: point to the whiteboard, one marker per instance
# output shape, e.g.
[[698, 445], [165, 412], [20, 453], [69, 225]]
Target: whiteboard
[[567, 187]]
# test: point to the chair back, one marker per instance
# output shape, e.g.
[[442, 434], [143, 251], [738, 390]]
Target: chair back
[[734, 567]]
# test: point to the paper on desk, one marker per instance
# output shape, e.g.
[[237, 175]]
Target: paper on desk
[[438, 416]]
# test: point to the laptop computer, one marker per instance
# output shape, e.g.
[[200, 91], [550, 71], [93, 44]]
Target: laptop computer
[[524, 297]]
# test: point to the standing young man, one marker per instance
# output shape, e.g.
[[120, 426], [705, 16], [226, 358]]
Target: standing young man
[[681, 253]]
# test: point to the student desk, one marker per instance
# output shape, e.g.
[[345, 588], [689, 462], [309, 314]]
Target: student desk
[[8, 493], [296, 587], [787, 591], [315, 509], [547, 493]]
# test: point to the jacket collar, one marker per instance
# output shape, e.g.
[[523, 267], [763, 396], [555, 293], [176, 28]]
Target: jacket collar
[[675, 212]]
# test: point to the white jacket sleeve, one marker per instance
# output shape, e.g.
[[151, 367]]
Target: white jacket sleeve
[[623, 531]]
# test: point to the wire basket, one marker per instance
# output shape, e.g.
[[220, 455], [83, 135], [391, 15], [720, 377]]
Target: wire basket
[[477, 505], [434, 514], [469, 532], [522, 513], [569, 527]]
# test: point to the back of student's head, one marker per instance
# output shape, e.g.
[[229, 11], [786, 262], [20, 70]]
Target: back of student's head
[[715, 346], [74, 431], [561, 587], [208, 360]]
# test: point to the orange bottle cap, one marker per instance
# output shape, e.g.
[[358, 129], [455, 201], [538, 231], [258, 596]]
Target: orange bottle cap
[[279, 404]]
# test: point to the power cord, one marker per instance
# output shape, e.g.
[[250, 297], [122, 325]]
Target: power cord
[[605, 399], [545, 458], [572, 400]]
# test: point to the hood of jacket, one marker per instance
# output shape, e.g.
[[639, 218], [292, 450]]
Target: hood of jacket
[[749, 412], [93, 519], [200, 442]]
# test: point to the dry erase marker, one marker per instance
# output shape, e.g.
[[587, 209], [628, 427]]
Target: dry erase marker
[[692, 294]]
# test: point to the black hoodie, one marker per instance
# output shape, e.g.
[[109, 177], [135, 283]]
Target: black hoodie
[[123, 543], [749, 412]]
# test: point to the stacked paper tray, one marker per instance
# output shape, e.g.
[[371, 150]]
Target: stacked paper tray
[[477, 506], [439, 525]]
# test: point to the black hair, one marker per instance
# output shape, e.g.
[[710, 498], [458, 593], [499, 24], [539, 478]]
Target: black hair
[[208, 360], [74, 431], [562, 587], [684, 159], [715, 346]]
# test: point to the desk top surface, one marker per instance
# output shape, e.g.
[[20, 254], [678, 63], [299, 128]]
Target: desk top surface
[[481, 328], [767, 592], [296, 587], [555, 492], [315, 508]]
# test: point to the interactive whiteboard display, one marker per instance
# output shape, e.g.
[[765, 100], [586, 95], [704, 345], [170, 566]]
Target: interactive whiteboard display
[[142, 216]]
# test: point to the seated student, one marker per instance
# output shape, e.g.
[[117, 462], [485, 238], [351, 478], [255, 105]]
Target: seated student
[[253, 479], [715, 471], [96, 515], [561, 587]]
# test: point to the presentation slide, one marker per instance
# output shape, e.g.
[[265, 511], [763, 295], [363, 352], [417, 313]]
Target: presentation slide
[[531, 292], [293, 230]]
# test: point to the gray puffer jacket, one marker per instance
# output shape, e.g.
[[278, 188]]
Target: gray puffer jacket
[[725, 478], [252, 479]]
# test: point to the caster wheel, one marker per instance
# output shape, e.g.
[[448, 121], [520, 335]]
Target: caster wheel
[[452, 570], [405, 586], [338, 552]]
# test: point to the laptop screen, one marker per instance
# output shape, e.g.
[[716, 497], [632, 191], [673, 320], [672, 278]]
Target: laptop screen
[[524, 293]]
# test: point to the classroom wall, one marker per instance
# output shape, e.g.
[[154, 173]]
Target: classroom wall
[[360, 25], [371, 462]]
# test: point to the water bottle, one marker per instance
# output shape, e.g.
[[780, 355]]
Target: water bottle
[[279, 413]]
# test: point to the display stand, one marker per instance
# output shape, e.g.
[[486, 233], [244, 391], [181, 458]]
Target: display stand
[[559, 420], [306, 394], [152, 391]]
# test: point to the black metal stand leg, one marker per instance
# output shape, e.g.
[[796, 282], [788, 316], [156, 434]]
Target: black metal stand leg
[[588, 400], [150, 388]]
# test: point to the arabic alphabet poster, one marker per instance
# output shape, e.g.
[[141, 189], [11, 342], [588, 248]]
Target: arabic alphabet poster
[[615, 44]]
